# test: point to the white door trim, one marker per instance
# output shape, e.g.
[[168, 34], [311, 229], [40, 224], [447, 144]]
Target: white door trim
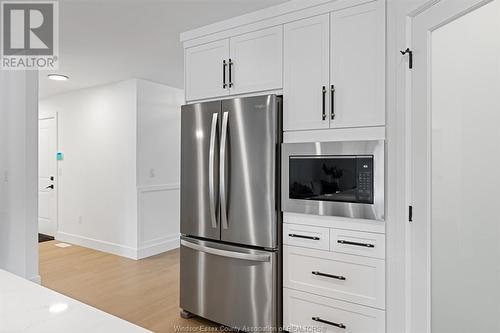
[[55, 115], [437, 13]]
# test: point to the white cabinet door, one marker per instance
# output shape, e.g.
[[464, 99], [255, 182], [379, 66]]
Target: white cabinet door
[[306, 74], [257, 61], [204, 73], [358, 66]]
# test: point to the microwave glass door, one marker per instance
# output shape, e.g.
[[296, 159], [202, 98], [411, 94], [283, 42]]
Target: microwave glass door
[[324, 178]]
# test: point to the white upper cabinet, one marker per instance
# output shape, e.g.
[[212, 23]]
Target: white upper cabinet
[[334, 70], [306, 74], [358, 66], [246, 63], [257, 59], [204, 70]]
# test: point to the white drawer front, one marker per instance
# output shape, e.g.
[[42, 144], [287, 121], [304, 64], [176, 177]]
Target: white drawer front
[[300, 308], [306, 236], [350, 278], [358, 243]]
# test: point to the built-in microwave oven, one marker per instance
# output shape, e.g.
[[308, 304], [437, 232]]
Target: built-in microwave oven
[[334, 178]]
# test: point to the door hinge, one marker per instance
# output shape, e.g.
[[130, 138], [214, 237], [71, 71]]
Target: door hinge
[[410, 55], [410, 213]]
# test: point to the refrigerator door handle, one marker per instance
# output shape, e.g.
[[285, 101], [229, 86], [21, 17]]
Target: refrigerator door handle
[[228, 254], [222, 168], [211, 170]]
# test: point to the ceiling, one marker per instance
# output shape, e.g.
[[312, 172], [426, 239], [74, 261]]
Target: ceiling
[[104, 41]]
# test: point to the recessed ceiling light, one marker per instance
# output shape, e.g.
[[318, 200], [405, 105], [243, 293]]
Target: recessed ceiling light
[[58, 77]]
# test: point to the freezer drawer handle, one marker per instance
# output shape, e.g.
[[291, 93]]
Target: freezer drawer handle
[[303, 236], [228, 254], [338, 277], [318, 319], [340, 241], [211, 170]]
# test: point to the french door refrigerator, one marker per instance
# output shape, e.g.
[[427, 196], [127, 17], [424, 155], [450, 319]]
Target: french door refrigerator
[[230, 212]]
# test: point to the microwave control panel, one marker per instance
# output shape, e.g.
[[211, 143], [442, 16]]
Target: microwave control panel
[[365, 179]]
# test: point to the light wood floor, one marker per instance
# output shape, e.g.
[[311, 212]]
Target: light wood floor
[[144, 292]]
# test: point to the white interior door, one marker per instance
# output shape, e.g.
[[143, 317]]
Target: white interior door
[[455, 114], [47, 176]]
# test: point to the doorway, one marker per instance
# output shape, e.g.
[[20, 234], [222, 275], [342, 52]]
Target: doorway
[[47, 177], [455, 142]]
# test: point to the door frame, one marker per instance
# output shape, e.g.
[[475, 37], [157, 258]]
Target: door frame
[[43, 116], [439, 13]]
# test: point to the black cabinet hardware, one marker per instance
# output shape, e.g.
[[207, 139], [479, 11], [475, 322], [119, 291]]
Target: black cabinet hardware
[[339, 325], [410, 213], [410, 55], [224, 65], [338, 277], [230, 73], [324, 97], [50, 186], [340, 241], [303, 236], [332, 102]]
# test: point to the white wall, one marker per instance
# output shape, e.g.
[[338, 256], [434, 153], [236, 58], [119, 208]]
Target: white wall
[[118, 182], [97, 194], [158, 166], [18, 173]]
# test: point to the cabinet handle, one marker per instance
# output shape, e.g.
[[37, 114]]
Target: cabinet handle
[[339, 325], [230, 73], [224, 65], [340, 241], [323, 115], [332, 102], [338, 277], [303, 236]]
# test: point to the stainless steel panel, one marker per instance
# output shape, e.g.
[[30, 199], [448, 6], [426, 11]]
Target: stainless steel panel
[[373, 211], [233, 286], [199, 170], [251, 170]]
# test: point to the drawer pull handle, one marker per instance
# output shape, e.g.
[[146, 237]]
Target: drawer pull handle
[[318, 319], [303, 236], [338, 277], [340, 241]]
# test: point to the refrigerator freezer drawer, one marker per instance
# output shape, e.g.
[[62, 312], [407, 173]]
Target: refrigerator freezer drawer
[[229, 285]]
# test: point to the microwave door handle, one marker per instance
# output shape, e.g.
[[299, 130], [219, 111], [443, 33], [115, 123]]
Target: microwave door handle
[[211, 172], [222, 168]]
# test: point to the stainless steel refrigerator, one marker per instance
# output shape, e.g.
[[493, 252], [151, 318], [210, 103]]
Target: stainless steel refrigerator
[[230, 211]]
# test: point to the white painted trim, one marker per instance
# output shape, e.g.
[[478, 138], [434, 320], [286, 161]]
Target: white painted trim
[[157, 246], [335, 222], [99, 245], [256, 93], [36, 279], [156, 188], [151, 247], [337, 134], [265, 18]]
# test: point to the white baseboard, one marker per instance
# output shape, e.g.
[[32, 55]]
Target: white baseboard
[[147, 249], [104, 246], [37, 279], [158, 246]]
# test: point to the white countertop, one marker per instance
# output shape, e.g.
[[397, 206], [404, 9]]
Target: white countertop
[[28, 307]]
